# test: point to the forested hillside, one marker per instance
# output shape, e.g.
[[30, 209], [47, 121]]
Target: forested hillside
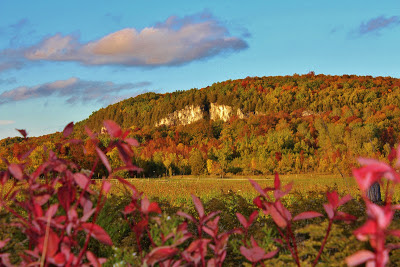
[[289, 124]]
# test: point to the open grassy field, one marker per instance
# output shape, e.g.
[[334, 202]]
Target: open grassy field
[[177, 190]]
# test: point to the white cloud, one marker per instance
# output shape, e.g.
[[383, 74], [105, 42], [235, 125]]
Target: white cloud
[[6, 122], [173, 42]]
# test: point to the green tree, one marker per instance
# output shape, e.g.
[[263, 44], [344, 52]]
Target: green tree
[[197, 162]]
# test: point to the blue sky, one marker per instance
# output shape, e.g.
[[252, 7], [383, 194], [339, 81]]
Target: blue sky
[[62, 60]]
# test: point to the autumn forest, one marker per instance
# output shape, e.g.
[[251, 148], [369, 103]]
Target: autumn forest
[[289, 124]]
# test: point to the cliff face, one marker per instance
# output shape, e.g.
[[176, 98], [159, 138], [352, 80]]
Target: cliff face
[[221, 112], [184, 116], [192, 113]]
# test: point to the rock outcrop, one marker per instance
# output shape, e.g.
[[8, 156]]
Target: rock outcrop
[[220, 112], [192, 113], [184, 116]]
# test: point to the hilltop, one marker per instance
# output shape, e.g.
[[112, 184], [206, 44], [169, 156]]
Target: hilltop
[[258, 125]]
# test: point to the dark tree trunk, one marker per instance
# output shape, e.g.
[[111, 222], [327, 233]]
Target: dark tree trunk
[[374, 193]]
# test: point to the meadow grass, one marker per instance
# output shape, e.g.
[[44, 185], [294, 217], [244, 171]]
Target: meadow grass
[[177, 190]]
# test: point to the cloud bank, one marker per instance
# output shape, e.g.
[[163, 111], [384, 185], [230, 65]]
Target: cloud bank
[[377, 24], [176, 41], [73, 89]]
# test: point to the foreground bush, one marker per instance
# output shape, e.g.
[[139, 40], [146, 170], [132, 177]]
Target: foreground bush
[[56, 211]]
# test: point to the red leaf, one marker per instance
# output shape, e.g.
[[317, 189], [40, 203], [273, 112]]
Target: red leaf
[[16, 171], [187, 216], [97, 232], [277, 217], [392, 154], [40, 200], [104, 159], [26, 154], [131, 186], [307, 215], [159, 254], [66, 196], [59, 258], [153, 207], [360, 257], [342, 216], [333, 199], [22, 132], [129, 208], [68, 129], [112, 128], [198, 205], [52, 244], [277, 182]]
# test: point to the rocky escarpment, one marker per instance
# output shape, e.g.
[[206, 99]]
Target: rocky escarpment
[[184, 116], [192, 113]]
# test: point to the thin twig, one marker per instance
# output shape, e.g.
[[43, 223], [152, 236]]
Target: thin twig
[[46, 241]]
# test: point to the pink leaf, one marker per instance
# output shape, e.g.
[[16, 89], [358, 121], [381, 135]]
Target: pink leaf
[[198, 205], [145, 205], [87, 215], [106, 186], [344, 200], [257, 187], [92, 259], [132, 141], [16, 171], [104, 159], [329, 210], [307, 215], [90, 133], [242, 220], [97, 232], [68, 129], [360, 257], [252, 217], [112, 128], [4, 242], [83, 181], [256, 254], [51, 211]]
